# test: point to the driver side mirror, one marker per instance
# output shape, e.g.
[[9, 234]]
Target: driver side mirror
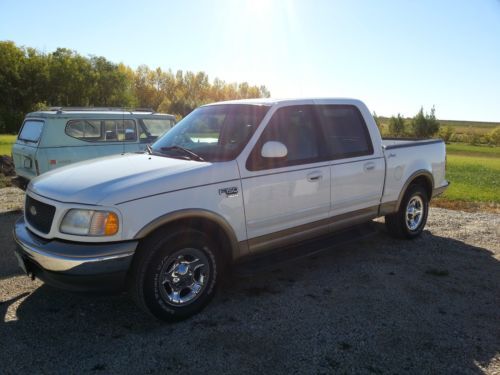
[[274, 149]]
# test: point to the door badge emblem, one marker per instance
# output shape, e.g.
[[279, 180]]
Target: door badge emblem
[[229, 191]]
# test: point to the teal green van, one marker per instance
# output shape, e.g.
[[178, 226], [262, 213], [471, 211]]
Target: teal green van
[[61, 136]]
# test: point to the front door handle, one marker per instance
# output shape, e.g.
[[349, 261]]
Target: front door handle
[[369, 166], [314, 176]]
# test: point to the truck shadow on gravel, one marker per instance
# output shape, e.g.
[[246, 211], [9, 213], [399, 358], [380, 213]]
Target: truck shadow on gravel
[[374, 306]]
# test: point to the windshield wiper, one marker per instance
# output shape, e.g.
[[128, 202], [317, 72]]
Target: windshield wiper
[[192, 155], [149, 149]]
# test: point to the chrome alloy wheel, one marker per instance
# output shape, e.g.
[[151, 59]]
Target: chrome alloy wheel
[[183, 276], [414, 212]]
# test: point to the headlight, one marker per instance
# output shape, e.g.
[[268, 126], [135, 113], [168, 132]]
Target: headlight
[[90, 223]]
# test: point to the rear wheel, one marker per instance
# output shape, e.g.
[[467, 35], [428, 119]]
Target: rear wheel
[[410, 220], [175, 277]]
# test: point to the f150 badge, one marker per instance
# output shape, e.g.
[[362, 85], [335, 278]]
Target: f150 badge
[[229, 191]]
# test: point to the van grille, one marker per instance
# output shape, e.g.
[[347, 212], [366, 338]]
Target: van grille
[[39, 215]]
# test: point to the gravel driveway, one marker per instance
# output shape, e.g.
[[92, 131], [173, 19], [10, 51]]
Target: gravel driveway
[[373, 306]]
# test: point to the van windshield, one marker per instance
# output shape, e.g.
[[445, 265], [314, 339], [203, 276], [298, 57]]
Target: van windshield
[[215, 133], [31, 131]]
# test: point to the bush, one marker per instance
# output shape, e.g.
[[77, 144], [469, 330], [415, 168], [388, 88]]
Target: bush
[[473, 137], [425, 124], [494, 136], [446, 133], [397, 125]]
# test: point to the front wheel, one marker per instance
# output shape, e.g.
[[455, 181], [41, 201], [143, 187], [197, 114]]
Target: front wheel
[[410, 220], [175, 277]]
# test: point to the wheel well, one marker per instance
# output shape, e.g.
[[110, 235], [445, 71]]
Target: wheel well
[[211, 228], [425, 182]]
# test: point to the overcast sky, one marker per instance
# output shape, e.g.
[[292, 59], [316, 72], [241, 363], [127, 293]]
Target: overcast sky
[[395, 55]]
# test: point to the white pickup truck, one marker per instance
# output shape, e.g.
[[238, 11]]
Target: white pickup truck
[[230, 180]]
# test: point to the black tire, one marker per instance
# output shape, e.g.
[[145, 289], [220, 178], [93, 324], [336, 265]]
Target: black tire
[[157, 254], [399, 224]]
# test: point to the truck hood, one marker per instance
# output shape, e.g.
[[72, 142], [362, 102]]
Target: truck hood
[[121, 178]]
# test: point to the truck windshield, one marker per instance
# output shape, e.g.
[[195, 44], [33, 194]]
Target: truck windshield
[[215, 133]]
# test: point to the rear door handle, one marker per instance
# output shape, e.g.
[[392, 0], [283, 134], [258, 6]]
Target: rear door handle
[[314, 176], [369, 166]]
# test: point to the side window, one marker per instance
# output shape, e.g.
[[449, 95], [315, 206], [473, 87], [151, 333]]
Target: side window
[[87, 130], [120, 131], [345, 131], [296, 127], [102, 130]]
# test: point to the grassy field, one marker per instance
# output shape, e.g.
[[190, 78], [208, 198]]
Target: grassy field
[[474, 173], [6, 142]]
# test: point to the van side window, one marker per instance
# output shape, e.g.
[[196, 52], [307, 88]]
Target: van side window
[[297, 128], [102, 130], [345, 131]]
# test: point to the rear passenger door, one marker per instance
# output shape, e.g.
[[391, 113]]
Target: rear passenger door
[[282, 195], [357, 169]]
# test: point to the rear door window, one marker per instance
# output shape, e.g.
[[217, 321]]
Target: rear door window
[[345, 130], [31, 131]]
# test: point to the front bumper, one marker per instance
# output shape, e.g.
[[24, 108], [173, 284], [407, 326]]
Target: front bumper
[[73, 265]]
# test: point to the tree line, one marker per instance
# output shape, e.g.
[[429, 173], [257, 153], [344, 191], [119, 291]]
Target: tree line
[[32, 80], [422, 125]]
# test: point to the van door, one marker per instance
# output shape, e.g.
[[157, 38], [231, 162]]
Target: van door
[[25, 149]]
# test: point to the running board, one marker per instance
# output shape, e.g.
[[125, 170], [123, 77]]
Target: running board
[[262, 262]]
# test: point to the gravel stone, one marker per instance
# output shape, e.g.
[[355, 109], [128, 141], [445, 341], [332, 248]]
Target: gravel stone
[[372, 306]]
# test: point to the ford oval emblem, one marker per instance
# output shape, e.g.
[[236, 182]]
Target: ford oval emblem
[[33, 210]]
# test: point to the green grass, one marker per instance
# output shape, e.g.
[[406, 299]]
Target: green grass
[[473, 179], [469, 150], [6, 141]]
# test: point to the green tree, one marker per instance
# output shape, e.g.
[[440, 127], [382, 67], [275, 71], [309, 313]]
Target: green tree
[[425, 124], [397, 125]]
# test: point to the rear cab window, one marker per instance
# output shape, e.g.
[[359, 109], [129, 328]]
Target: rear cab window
[[31, 131], [345, 131]]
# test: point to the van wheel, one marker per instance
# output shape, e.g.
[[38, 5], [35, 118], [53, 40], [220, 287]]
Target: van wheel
[[410, 220], [175, 277]]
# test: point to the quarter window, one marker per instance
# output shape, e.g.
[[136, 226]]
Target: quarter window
[[345, 131], [102, 130]]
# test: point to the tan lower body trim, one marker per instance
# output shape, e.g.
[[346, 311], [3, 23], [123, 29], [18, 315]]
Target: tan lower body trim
[[310, 230], [388, 208]]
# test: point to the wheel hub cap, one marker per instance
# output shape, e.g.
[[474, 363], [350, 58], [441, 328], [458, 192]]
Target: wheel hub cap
[[414, 212], [183, 276]]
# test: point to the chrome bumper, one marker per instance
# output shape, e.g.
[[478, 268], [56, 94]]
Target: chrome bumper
[[72, 258]]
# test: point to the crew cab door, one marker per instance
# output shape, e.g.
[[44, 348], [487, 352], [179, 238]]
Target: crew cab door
[[284, 195], [357, 167]]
